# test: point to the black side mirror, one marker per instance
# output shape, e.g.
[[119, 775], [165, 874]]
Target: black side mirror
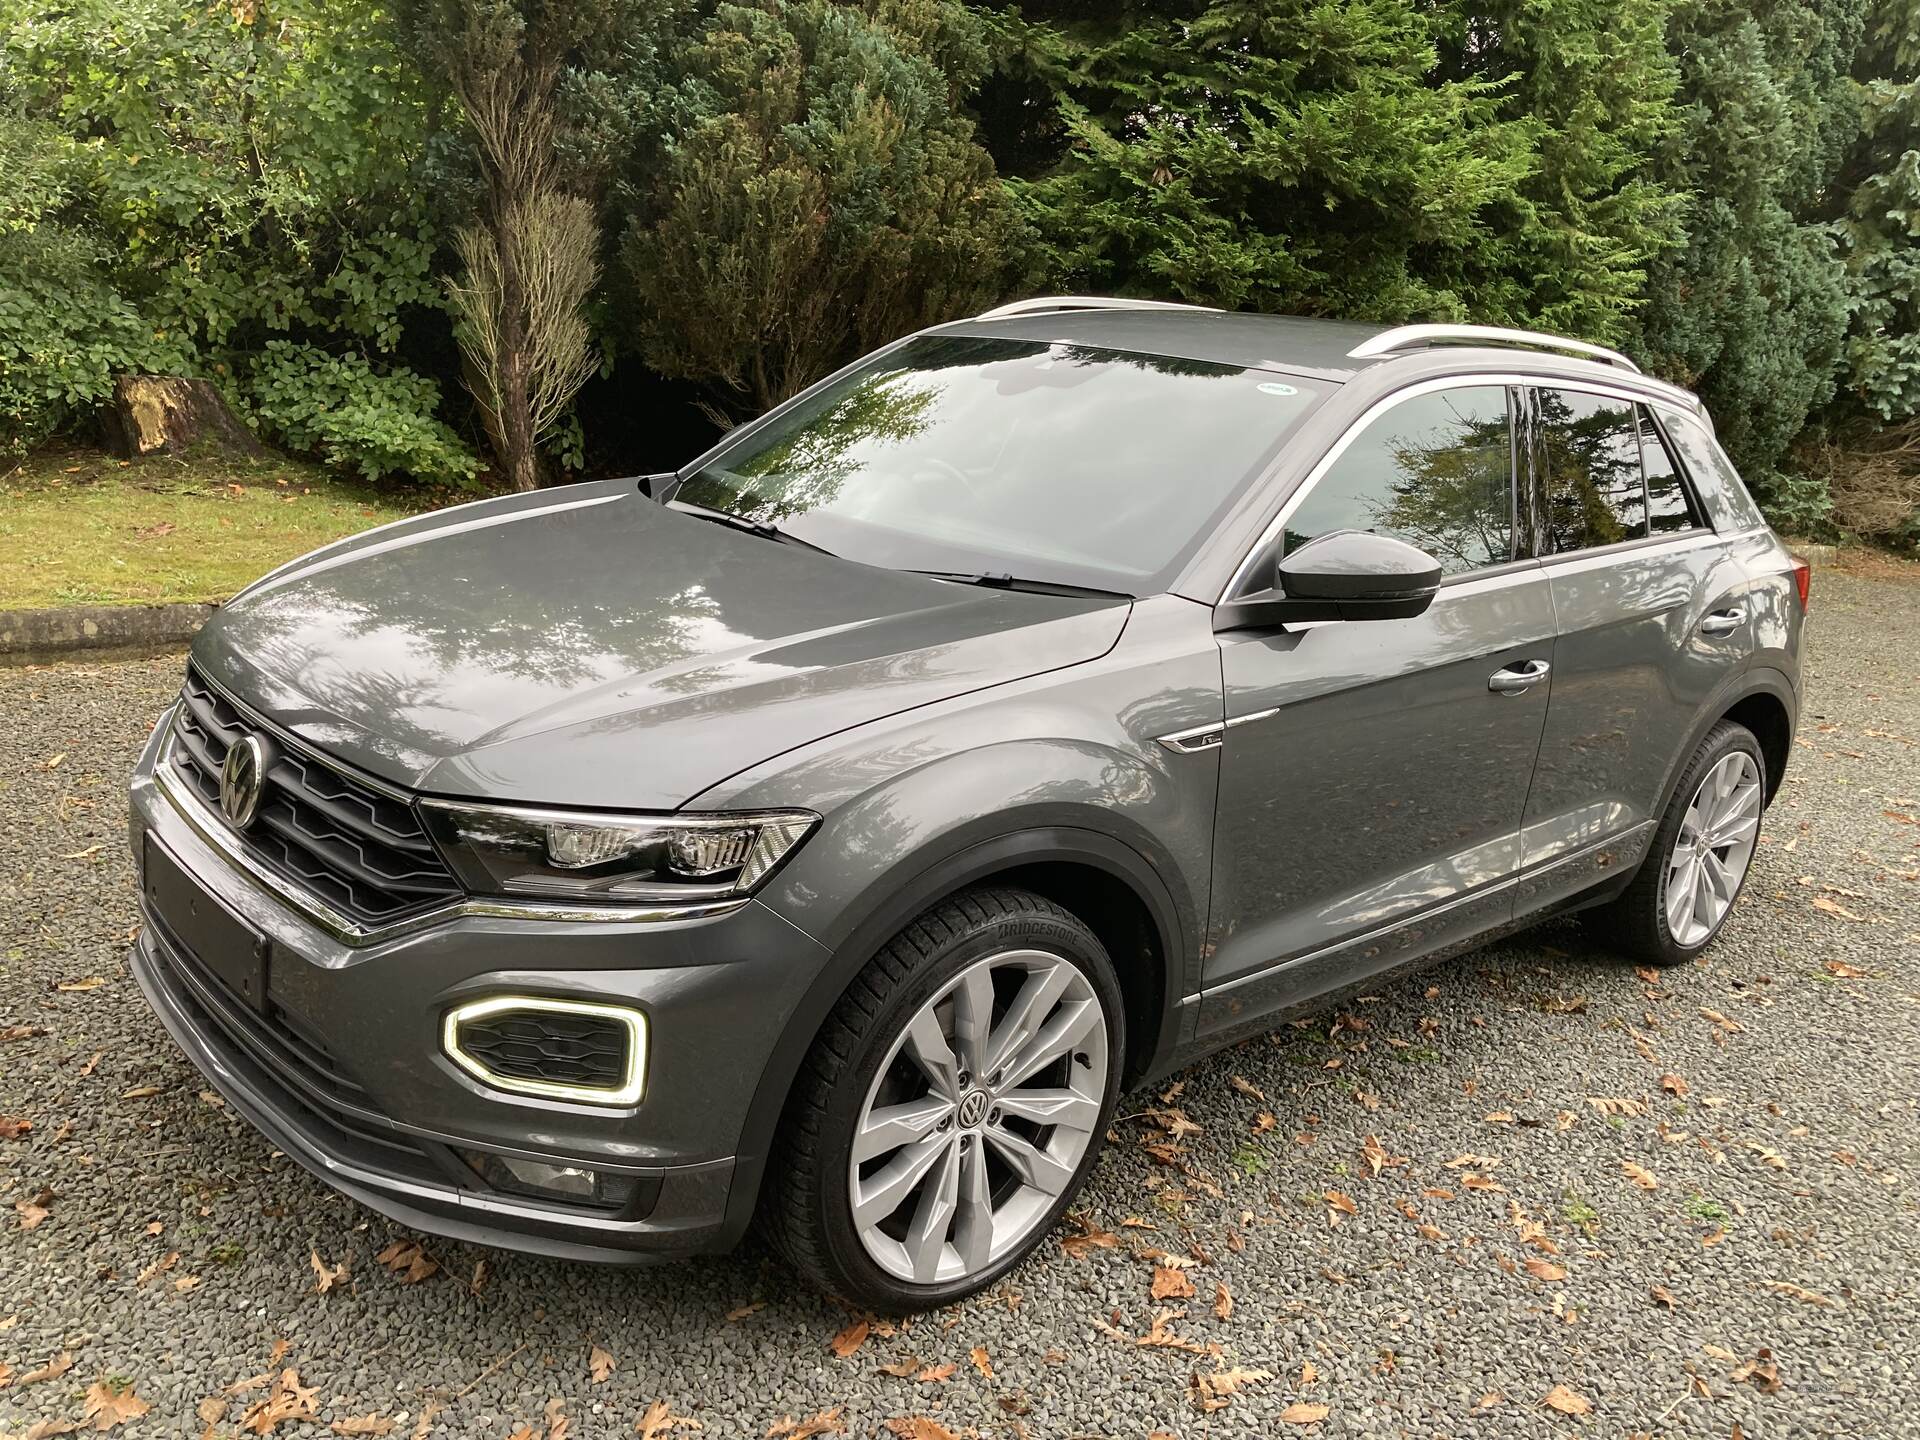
[[1347, 575]]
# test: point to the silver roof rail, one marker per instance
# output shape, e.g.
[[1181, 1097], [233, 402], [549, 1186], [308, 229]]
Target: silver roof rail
[[1419, 337], [1047, 304]]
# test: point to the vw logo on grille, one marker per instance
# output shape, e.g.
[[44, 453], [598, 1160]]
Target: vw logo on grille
[[242, 777]]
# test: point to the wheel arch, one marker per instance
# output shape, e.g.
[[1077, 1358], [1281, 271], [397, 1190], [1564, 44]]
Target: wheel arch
[[1764, 695], [1108, 884]]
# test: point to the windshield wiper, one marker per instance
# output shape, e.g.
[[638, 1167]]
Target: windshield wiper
[[1000, 580], [742, 522]]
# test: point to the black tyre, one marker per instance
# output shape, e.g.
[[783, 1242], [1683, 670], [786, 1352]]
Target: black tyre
[[951, 1106], [1700, 857]]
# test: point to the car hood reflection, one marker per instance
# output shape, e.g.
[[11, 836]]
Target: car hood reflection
[[585, 646]]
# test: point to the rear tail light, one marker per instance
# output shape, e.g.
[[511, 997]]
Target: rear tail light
[[1802, 579]]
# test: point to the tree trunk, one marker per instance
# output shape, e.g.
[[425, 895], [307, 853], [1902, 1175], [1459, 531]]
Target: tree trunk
[[519, 455], [154, 414]]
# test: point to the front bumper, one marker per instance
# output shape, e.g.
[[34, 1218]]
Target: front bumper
[[341, 1066]]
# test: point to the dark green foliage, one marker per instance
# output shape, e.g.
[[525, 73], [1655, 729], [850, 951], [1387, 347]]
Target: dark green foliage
[[1269, 154], [194, 181], [1880, 221], [1752, 311], [819, 194], [1593, 83]]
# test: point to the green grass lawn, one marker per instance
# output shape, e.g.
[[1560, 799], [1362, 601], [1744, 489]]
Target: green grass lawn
[[78, 527]]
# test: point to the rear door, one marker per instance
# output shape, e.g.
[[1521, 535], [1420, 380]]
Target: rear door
[[1373, 774], [1652, 619]]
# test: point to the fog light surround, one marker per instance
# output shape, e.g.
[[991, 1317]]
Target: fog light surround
[[632, 1082], [546, 1180]]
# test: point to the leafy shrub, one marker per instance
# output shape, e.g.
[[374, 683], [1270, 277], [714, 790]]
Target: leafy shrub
[[339, 407]]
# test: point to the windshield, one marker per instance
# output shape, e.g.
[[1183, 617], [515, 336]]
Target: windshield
[[1047, 462]]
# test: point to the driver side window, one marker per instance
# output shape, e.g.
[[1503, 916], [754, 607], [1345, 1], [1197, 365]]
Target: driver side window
[[1435, 471]]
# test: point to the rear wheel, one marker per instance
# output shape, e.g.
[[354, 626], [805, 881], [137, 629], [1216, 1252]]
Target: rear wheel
[[1700, 855], [952, 1105]]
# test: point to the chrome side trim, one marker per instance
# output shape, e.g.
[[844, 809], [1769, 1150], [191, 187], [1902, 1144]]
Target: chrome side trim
[[1403, 338], [1640, 391], [1600, 559], [1199, 738], [632, 1081], [349, 931], [1445, 907], [1048, 304]]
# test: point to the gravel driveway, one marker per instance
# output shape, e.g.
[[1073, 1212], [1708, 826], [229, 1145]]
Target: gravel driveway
[[1690, 1199]]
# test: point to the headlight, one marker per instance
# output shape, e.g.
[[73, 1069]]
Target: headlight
[[576, 855]]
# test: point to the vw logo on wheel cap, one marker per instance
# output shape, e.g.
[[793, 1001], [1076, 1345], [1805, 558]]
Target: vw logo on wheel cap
[[973, 1109], [242, 777]]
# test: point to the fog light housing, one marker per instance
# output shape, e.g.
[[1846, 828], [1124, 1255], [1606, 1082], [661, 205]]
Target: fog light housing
[[584, 1051], [546, 1180]]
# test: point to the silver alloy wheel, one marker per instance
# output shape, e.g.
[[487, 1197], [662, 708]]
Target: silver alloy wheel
[[1713, 849], [979, 1117]]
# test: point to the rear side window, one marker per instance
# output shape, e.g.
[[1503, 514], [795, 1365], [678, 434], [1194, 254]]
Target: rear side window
[[1669, 508], [1728, 504], [1587, 458], [1435, 471]]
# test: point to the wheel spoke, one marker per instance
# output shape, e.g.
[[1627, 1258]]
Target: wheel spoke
[[973, 1019], [1061, 1034], [890, 1126], [1027, 1013], [939, 1198], [1032, 1164], [931, 1052], [973, 1231], [1052, 1107], [878, 1197], [1680, 888]]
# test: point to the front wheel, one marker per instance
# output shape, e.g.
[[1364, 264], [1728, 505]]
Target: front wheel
[[1700, 856], [951, 1106]]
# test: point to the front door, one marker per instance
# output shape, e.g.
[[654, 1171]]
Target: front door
[[1373, 774]]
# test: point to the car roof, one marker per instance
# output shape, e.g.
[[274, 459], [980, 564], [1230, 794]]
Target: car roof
[[1334, 350], [1292, 343]]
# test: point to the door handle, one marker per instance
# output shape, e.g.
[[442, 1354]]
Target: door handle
[[1724, 622], [1518, 679]]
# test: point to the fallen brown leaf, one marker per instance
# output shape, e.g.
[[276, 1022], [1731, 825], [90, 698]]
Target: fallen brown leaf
[[937, 1374], [1171, 1284], [12, 1127], [108, 1405], [408, 1262], [658, 1420], [1222, 1302], [52, 1370], [1216, 1391], [1639, 1174], [826, 1422], [1798, 1292], [981, 1360], [599, 1364], [363, 1425], [1664, 1296], [850, 1339], [33, 1211], [741, 1312], [1545, 1270], [326, 1276], [1567, 1402], [1090, 1238], [1302, 1412], [919, 1427], [287, 1400]]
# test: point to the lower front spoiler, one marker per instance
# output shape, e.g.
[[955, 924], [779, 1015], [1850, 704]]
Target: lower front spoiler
[[686, 1216]]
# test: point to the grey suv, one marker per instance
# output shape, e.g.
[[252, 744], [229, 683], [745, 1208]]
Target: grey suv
[[830, 831]]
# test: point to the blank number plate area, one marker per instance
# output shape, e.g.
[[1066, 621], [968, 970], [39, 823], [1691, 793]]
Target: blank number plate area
[[224, 945]]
